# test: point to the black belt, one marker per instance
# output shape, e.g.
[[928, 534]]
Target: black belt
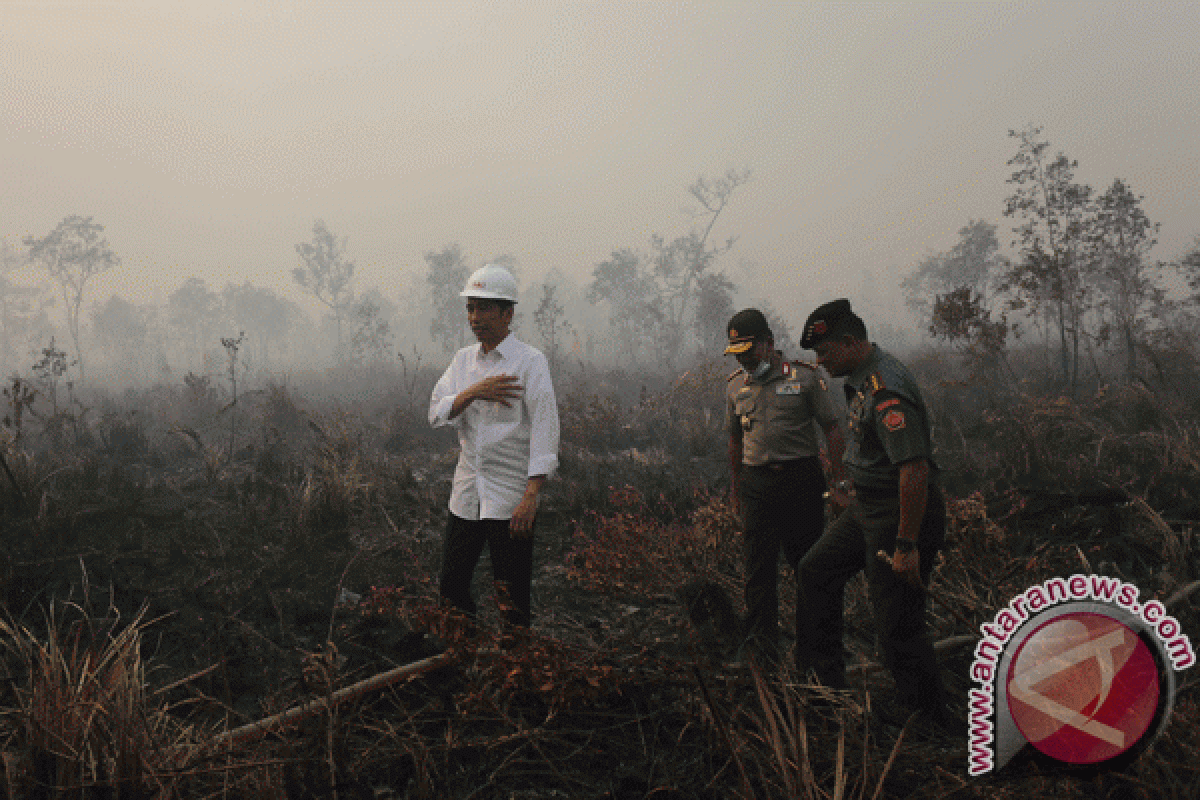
[[889, 492], [781, 466]]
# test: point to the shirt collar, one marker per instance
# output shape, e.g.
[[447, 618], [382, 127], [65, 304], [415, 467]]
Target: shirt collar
[[773, 373], [505, 349], [859, 376]]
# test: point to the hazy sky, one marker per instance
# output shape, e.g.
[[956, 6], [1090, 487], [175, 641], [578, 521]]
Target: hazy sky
[[207, 136]]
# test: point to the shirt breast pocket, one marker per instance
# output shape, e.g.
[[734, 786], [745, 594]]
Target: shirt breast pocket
[[507, 415], [856, 415], [790, 396]]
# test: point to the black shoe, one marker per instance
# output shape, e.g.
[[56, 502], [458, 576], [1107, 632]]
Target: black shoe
[[941, 724], [922, 725], [830, 676]]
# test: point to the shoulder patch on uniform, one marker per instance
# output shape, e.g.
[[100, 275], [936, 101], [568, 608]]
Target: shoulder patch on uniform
[[786, 369], [734, 374], [893, 420], [891, 401]]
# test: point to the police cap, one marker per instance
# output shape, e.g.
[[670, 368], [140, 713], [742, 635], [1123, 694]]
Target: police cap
[[822, 322], [745, 328]]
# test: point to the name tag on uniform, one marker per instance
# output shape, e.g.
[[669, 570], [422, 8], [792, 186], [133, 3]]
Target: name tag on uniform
[[789, 388]]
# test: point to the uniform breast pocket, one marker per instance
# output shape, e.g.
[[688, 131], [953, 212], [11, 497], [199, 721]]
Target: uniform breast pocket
[[744, 406], [790, 395], [789, 404]]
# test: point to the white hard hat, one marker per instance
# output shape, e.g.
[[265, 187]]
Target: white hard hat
[[491, 282]]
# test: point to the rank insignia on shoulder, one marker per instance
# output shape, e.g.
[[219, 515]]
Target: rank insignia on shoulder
[[893, 420], [876, 382], [884, 404]]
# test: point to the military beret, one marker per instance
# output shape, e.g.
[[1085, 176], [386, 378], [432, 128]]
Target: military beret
[[745, 328], [822, 321]]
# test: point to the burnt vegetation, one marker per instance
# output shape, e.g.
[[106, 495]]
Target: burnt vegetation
[[190, 558]]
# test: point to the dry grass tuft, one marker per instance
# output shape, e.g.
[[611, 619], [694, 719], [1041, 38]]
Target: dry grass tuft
[[798, 742], [338, 479], [84, 717]]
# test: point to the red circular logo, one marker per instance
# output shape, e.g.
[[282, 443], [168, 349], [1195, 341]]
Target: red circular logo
[[1083, 688]]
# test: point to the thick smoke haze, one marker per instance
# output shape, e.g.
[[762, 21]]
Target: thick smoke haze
[[208, 137]]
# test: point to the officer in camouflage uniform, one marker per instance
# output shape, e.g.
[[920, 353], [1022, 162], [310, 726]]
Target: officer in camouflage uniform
[[895, 508], [778, 483]]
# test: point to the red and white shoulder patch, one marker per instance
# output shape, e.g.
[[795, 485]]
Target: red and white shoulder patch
[[893, 420]]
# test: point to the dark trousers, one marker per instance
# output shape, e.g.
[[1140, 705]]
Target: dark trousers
[[512, 566], [850, 544], [782, 507]]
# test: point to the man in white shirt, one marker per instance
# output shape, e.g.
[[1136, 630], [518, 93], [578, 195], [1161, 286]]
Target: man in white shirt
[[498, 395]]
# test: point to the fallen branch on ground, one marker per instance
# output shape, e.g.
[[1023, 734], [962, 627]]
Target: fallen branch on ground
[[296, 713]]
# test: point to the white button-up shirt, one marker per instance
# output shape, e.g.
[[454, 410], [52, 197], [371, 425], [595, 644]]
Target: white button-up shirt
[[500, 448]]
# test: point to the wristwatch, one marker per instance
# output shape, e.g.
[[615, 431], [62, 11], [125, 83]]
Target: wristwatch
[[905, 545]]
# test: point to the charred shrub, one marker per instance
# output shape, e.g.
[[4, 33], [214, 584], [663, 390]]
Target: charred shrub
[[281, 414], [200, 393], [123, 435], [647, 548]]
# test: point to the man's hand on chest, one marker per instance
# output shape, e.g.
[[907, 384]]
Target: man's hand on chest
[[502, 389]]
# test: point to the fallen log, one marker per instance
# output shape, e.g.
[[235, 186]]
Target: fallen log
[[375, 682], [1182, 594]]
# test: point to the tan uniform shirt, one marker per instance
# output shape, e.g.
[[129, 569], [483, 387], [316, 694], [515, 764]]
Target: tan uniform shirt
[[776, 414]]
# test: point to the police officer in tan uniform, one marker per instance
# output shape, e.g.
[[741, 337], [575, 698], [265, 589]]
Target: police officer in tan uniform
[[895, 522], [772, 409]]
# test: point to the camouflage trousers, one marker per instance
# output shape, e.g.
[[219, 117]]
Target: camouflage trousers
[[850, 544]]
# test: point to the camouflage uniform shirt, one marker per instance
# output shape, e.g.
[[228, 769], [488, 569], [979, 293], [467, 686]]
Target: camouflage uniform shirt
[[888, 422]]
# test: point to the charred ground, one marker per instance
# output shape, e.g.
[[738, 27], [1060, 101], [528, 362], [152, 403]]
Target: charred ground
[[176, 567]]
